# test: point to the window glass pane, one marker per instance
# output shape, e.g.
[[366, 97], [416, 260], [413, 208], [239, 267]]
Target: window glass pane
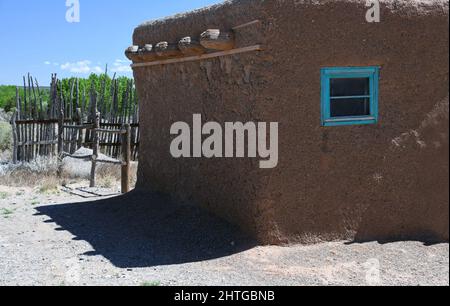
[[350, 87], [349, 107]]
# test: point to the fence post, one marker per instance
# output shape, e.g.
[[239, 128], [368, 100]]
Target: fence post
[[126, 160], [14, 133], [80, 132], [95, 149], [18, 154], [60, 137]]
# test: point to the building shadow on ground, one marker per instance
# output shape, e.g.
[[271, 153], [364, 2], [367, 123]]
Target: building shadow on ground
[[428, 242], [144, 230]]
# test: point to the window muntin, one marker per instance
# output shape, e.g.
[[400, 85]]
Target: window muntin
[[349, 95]]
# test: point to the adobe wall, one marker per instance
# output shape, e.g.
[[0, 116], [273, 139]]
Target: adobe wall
[[353, 182]]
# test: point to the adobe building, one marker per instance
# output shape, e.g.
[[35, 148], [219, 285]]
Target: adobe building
[[362, 109]]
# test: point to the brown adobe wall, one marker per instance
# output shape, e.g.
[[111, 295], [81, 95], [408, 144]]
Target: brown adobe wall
[[331, 183]]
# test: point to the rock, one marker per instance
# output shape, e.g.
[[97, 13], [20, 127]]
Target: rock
[[78, 168]]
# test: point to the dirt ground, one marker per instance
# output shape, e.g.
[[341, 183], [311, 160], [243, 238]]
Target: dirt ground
[[50, 237]]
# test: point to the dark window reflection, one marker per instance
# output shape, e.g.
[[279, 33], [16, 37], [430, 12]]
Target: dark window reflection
[[350, 107], [350, 87]]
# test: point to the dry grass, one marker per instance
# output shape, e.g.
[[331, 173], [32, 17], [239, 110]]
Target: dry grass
[[111, 174], [36, 173], [50, 185], [42, 173], [107, 182]]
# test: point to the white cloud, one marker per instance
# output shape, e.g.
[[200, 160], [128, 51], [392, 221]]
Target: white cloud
[[121, 66], [48, 63], [82, 67], [87, 67], [97, 69]]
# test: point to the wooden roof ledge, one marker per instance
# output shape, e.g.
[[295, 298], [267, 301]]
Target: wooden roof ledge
[[212, 43]]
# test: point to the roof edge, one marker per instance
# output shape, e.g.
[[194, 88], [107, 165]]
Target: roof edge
[[421, 6]]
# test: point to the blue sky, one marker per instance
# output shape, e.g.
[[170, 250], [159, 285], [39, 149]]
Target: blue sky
[[35, 36]]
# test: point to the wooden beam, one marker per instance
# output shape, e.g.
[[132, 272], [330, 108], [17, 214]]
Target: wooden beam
[[103, 124], [44, 121], [87, 125], [190, 47], [82, 157], [165, 50], [109, 145], [136, 54], [79, 127], [106, 161], [109, 131], [215, 39], [199, 57], [43, 142]]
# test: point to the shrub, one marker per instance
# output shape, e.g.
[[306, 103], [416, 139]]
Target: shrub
[[7, 97], [41, 171], [5, 136]]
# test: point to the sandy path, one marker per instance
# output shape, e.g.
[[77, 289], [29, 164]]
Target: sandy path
[[115, 243]]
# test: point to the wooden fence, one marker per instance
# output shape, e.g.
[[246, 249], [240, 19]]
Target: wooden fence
[[125, 163], [37, 123]]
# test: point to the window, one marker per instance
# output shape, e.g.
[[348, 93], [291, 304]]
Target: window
[[349, 95]]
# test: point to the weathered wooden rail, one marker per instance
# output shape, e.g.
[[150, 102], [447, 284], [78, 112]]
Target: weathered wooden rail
[[125, 163]]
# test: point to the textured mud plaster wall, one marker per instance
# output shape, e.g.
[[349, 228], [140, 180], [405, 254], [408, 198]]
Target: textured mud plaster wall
[[355, 182]]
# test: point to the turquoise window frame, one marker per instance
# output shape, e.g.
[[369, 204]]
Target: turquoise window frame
[[373, 73]]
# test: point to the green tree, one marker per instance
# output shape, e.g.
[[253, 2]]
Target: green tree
[[7, 97], [102, 84]]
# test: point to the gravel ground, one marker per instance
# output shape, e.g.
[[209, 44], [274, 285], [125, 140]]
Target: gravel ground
[[56, 239]]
